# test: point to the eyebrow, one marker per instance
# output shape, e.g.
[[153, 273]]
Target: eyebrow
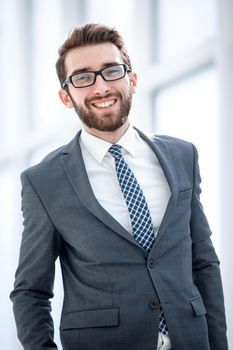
[[88, 69]]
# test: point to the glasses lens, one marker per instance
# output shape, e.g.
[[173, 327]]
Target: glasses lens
[[83, 79], [114, 72]]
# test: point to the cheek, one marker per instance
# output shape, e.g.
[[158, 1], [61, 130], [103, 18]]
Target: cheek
[[126, 89], [78, 98]]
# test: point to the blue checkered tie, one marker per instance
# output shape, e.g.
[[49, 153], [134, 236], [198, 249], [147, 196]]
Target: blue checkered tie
[[142, 226]]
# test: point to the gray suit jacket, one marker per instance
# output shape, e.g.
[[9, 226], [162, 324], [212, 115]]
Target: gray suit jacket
[[112, 288]]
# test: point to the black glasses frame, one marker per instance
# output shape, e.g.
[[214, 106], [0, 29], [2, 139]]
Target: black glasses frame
[[96, 73]]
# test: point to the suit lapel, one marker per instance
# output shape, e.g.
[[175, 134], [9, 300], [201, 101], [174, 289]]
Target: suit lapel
[[165, 159], [74, 167]]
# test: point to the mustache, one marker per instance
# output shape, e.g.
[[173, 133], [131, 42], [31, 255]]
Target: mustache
[[99, 98]]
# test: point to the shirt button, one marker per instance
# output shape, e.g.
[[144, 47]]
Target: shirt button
[[151, 263], [154, 304]]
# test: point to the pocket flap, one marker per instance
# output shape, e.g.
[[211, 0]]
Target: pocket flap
[[104, 317], [198, 306]]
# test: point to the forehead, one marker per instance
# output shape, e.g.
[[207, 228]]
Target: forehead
[[92, 57]]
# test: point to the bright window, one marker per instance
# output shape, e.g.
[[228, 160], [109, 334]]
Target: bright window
[[184, 25]]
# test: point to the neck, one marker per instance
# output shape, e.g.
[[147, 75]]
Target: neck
[[109, 136]]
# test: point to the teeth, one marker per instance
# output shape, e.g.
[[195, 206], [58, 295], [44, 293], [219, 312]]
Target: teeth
[[104, 104]]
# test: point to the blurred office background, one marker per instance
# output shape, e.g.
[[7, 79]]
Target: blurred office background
[[183, 54]]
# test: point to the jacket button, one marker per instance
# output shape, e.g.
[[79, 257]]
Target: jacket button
[[154, 304], [151, 263]]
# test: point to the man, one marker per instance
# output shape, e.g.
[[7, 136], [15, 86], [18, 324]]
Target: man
[[122, 212]]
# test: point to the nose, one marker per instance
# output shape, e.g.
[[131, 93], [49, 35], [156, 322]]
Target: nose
[[101, 86]]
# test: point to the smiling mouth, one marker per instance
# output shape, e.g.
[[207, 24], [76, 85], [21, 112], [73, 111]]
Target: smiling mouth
[[104, 104]]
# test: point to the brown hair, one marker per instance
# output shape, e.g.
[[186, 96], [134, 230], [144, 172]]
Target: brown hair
[[87, 35]]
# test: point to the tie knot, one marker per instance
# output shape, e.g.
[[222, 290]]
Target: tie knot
[[115, 151]]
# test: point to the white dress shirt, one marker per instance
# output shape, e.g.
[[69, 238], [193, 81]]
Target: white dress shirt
[[100, 166]]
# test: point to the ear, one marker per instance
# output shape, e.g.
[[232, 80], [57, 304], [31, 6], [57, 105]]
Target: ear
[[65, 98], [133, 82]]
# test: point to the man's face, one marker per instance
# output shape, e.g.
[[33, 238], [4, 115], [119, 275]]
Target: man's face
[[104, 106]]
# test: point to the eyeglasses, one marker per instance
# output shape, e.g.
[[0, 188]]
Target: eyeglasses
[[84, 79]]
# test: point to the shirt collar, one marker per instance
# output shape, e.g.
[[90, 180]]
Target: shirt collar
[[98, 147], [129, 141]]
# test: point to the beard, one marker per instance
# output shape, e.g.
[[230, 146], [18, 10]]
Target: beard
[[104, 121]]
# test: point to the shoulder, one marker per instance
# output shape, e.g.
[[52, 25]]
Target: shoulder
[[48, 162], [173, 143], [181, 153], [170, 143], [51, 163]]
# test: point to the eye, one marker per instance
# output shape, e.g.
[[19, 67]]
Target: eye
[[114, 71], [82, 79]]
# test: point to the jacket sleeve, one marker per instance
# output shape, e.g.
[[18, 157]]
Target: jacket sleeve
[[206, 270], [35, 273]]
